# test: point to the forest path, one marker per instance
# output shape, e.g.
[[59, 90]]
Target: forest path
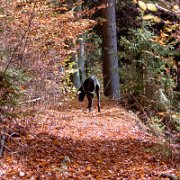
[[72, 143], [75, 121]]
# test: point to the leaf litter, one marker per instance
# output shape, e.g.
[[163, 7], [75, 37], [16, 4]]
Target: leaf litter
[[71, 143]]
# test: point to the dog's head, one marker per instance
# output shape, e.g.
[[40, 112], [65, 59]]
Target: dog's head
[[81, 94]]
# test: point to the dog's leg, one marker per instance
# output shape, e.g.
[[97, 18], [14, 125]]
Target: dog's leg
[[90, 101], [98, 97]]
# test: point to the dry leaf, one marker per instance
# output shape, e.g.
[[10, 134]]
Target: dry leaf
[[151, 7], [148, 17], [142, 5]]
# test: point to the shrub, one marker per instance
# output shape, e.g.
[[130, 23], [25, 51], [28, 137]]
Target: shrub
[[11, 88], [146, 59]]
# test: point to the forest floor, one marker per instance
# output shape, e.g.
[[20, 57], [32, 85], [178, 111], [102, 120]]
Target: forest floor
[[72, 143]]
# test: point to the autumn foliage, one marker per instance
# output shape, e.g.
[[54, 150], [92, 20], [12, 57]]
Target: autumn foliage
[[50, 135], [36, 32]]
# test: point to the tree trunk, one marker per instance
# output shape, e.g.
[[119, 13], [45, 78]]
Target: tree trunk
[[74, 57], [80, 50], [81, 59], [177, 60], [75, 76], [110, 59]]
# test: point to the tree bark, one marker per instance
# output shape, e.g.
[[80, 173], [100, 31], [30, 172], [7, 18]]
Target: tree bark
[[74, 58], [81, 59], [110, 59], [80, 50], [75, 76]]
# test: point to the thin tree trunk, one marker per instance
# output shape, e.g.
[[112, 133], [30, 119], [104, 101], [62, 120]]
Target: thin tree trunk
[[177, 60], [74, 57], [80, 50], [81, 59], [75, 76], [110, 59]]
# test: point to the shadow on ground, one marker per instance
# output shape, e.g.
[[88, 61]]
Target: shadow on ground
[[49, 157]]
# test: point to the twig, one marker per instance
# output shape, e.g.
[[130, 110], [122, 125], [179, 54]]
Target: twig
[[13, 134], [162, 8], [3, 138], [7, 148], [31, 100], [168, 12]]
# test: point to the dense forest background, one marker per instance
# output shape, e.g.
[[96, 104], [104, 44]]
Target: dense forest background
[[49, 47]]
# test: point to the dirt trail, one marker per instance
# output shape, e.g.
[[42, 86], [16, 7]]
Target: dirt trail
[[71, 143], [113, 121]]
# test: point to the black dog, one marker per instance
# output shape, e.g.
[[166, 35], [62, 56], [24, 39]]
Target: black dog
[[90, 86]]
